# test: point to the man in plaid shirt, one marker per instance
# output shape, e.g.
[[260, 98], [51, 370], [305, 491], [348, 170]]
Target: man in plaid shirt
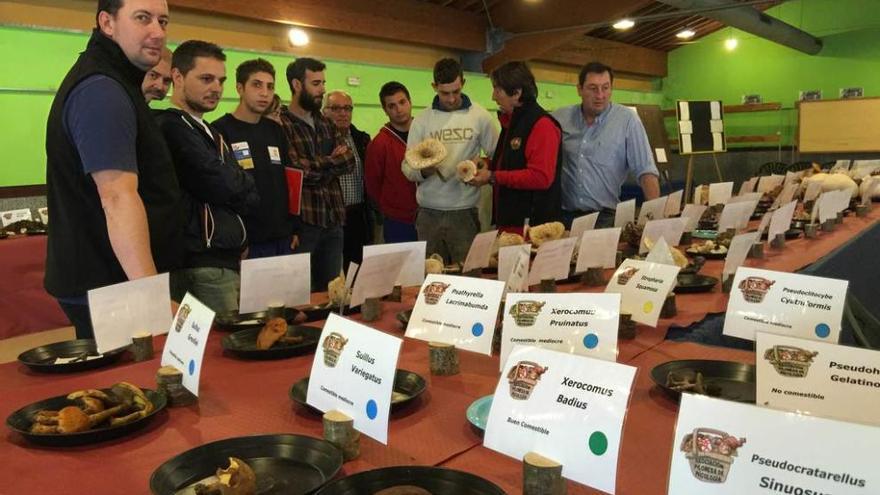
[[317, 148]]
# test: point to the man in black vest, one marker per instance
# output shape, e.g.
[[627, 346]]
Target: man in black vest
[[527, 161], [110, 180], [217, 192]]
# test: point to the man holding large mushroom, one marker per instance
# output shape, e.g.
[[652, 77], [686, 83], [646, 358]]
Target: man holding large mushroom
[[456, 129]]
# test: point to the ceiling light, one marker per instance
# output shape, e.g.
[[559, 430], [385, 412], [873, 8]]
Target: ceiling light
[[624, 24], [298, 37], [730, 44], [685, 34]]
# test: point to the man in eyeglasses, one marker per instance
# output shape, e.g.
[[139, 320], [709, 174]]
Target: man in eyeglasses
[[357, 231]]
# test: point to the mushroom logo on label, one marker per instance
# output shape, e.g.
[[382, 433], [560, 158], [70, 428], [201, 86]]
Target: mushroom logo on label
[[333, 345], [434, 291], [182, 315], [710, 453], [525, 313], [523, 377], [790, 361], [755, 288]]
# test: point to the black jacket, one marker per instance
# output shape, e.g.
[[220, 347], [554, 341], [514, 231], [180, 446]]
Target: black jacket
[[216, 191], [515, 205], [80, 256], [361, 140]]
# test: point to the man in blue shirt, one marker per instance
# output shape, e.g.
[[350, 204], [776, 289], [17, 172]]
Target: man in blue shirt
[[602, 143]]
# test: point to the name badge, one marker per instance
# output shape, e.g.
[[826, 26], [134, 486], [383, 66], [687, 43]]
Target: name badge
[[274, 155], [242, 153]]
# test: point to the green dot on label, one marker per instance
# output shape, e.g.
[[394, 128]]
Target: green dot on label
[[598, 443]]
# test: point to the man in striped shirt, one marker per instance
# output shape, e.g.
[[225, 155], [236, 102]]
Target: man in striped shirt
[[319, 150]]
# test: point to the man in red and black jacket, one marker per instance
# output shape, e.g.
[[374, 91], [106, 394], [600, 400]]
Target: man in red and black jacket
[[526, 164], [386, 184]]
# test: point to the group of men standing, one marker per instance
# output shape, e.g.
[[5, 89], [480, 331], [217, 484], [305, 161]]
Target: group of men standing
[[135, 192]]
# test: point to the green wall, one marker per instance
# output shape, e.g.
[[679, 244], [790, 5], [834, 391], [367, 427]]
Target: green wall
[[35, 61], [850, 30]]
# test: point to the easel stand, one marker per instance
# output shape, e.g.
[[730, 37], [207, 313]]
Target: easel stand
[[443, 359], [689, 178]]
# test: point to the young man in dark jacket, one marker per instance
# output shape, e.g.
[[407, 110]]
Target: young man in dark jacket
[[260, 147], [217, 192]]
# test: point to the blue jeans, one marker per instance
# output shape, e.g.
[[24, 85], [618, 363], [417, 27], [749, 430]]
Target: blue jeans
[[325, 245], [277, 247], [396, 231], [216, 288]]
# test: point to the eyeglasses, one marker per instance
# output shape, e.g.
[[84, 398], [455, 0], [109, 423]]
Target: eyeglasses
[[345, 108]]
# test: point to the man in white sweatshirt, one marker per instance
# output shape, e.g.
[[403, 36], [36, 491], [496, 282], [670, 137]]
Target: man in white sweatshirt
[[447, 218]]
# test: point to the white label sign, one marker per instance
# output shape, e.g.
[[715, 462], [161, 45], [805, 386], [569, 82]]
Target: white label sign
[[692, 213], [720, 192], [413, 271], [120, 311], [669, 229], [565, 407], [785, 304], [726, 448], [814, 187], [826, 380], [598, 249], [738, 251], [625, 213], [768, 183], [187, 338], [652, 210], [736, 215], [748, 186], [583, 324], [553, 260], [582, 224], [507, 258], [643, 287], [44, 215], [353, 373], [518, 279], [377, 276], [742, 198], [457, 310], [673, 204], [781, 220], [276, 280], [480, 251], [12, 216]]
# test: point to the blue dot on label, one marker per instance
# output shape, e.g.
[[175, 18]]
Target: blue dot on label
[[477, 329], [823, 330], [192, 366], [591, 340], [372, 409]]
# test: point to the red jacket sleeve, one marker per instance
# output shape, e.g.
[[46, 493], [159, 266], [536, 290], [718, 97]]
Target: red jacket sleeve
[[541, 154], [374, 165]]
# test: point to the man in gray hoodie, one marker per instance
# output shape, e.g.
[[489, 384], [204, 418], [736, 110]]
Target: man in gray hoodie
[[447, 218]]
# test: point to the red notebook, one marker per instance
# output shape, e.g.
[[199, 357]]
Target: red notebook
[[294, 189]]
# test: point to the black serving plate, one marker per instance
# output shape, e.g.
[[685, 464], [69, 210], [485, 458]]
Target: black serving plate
[[407, 384], [30, 227], [733, 381], [708, 256], [233, 322], [20, 422], [789, 234], [438, 481], [283, 464], [689, 283], [320, 312], [42, 358], [243, 344]]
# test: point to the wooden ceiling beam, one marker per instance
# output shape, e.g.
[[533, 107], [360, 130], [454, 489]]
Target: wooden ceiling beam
[[422, 23], [621, 57]]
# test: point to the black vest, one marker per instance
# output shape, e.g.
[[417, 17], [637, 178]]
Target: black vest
[[79, 255], [515, 205]]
